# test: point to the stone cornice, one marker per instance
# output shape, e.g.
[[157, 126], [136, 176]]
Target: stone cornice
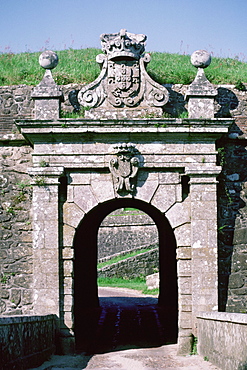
[[46, 130]]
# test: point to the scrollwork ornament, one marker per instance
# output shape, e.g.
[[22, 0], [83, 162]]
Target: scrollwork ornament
[[90, 98], [157, 98]]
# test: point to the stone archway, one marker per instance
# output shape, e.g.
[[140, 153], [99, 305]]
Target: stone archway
[[86, 301]]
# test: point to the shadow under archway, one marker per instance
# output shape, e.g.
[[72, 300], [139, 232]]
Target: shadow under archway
[[89, 316]]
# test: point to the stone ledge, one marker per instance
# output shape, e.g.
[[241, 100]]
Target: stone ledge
[[237, 318], [222, 338], [16, 319], [22, 347]]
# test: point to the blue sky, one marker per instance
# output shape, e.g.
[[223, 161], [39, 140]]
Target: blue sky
[[175, 26]]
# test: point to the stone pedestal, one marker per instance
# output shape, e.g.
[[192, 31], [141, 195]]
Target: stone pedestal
[[47, 95], [201, 93]]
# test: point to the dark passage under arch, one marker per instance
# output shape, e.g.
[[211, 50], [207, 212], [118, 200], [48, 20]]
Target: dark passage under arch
[[87, 310]]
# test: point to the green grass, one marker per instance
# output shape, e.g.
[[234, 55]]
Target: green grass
[[122, 257], [75, 66], [135, 283], [175, 68], [79, 66]]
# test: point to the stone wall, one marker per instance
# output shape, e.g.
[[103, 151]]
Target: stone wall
[[222, 339], [15, 206], [143, 264], [125, 230], [26, 341], [15, 229], [16, 100], [232, 220]]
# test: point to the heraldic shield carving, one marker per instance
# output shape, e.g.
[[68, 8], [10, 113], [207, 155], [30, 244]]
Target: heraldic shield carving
[[123, 88], [124, 167]]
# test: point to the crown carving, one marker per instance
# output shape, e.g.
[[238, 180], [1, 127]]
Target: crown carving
[[123, 44], [124, 148]]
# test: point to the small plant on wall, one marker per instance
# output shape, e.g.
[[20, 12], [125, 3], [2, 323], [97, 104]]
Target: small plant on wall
[[39, 180]]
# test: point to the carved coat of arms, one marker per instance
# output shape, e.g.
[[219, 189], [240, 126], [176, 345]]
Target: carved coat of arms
[[123, 83], [124, 167]]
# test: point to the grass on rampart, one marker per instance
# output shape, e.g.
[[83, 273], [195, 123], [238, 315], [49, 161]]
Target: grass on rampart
[[122, 257], [79, 66], [138, 283]]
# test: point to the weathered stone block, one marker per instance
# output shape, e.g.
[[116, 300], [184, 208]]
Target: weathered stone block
[[185, 321], [236, 281], [15, 296], [184, 253], [240, 236], [239, 262], [102, 186], [28, 340], [20, 267], [68, 301], [164, 197], [52, 280], [199, 233], [68, 320], [184, 285], [46, 300], [152, 281], [68, 268], [146, 185], [68, 253], [47, 109], [185, 302], [3, 254], [184, 344], [184, 268], [169, 178], [70, 194], [240, 292], [21, 250], [204, 211], [84, 197], [68, 233], [179, 214], [68, 285], [72, 214], [183, 235], [27, 296], [79, 178]]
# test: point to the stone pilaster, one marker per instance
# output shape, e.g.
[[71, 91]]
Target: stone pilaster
[[204, 243], [46, 239]]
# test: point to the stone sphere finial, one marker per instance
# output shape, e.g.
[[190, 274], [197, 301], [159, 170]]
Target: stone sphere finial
[[200, 59], [48, 59]]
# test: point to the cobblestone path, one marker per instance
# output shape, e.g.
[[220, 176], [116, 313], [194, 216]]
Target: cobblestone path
[[126, 322]]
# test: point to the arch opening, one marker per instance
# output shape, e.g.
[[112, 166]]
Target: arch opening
[[90, 312], [127, 247]]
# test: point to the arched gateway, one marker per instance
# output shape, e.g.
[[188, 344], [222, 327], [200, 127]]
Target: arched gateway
[[123, 153], [85, 263]]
